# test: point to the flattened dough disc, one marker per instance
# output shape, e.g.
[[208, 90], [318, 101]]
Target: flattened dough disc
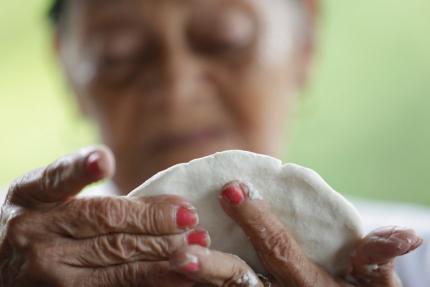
[[323, 223]]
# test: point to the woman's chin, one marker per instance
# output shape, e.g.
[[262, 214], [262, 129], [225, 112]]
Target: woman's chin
[[190, 152], [137, 169], [184, 153]]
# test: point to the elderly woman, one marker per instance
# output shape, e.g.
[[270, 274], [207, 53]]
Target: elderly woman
[[167, 81]]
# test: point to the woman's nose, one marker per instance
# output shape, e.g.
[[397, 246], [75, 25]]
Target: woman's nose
[[177, 78]]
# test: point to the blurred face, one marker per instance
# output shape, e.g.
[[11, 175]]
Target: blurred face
[[168, 81]]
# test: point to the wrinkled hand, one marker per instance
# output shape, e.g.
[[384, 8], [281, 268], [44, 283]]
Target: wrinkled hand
[[372, 263], [49, 237]]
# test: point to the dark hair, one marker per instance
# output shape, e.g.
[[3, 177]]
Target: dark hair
[[56, 11]]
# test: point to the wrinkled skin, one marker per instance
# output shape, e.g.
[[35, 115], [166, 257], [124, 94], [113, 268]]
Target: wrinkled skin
[[166, 81], [51, 238], [371, 264]]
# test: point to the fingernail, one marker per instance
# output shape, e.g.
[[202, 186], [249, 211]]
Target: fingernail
[[186, 263], [233, 193], [191, 267], [405, 242], [417, 243], [199, 237], [93, 165], [186, 218]]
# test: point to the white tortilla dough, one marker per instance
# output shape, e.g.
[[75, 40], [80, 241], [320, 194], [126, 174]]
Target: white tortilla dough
[[323, 223]]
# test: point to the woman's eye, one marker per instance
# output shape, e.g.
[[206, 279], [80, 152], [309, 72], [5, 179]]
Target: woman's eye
[[223, 34], [216, 43], [119, 53], [122, 47], [119, 57]]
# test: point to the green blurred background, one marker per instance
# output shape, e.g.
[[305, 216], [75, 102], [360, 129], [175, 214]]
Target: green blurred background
[[363, 123]]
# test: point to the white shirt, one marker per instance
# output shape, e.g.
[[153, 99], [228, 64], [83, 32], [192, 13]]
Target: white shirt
[[413, 268]]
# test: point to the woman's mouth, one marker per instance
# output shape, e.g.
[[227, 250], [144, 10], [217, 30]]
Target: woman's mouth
[[187, 139]]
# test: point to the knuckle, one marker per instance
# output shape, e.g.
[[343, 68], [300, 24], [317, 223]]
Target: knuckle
[[101, 213], [169, 244], [149, 216], [17, 229], [158, 217], [119, 247], [53, 175], [241, 277], [115, 212], [276, 246], [127, 247], [161, 248], [152, 218], [256, 224], [104, 214]]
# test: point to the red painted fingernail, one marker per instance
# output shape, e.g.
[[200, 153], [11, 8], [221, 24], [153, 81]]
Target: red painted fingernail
[[199, 237], [191, 267], [186, 218], [233, 193], [186, 263], [93, 165]]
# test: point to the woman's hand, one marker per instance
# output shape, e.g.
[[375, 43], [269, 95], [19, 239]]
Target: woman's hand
[[48, 237], [372, 264]]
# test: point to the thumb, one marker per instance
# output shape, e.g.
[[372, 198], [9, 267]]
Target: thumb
[[62, 179], [373, 261]]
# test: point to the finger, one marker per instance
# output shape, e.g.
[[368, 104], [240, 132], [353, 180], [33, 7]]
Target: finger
[[116, 249], [62, 179], [277, 249], [90, 217], [373, 260], [213, 267], [134, 274]]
